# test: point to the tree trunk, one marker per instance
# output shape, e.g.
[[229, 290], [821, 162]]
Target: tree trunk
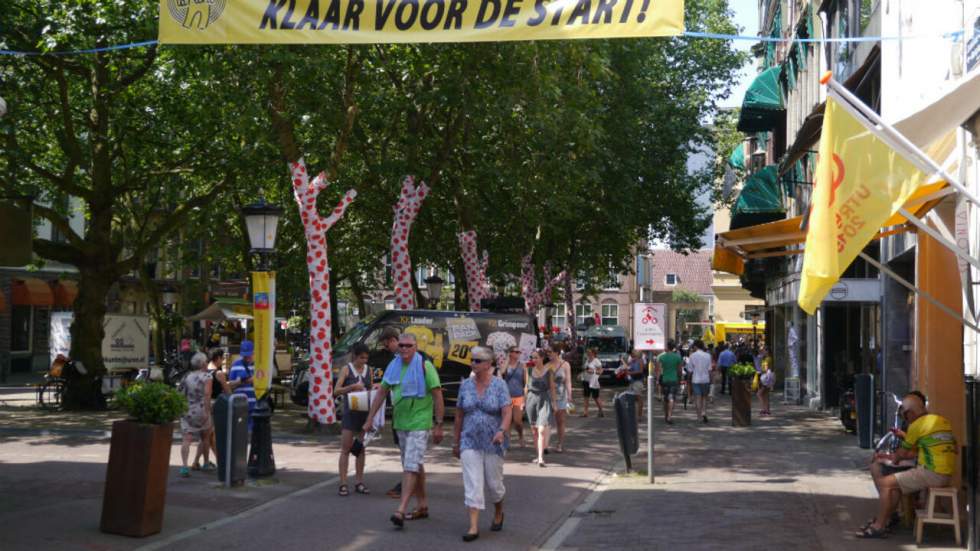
[[355, 287], [87, 334]]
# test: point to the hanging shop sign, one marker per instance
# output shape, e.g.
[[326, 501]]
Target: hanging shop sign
[[412, 21]]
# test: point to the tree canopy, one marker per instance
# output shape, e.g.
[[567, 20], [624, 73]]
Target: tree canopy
[[574, 149]]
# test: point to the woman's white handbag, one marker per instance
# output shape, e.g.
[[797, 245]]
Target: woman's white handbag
[[360, 400]]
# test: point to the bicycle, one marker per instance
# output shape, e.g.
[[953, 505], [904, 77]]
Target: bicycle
[[51, 392]]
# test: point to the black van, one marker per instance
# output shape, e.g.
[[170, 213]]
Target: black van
[[445, 337]]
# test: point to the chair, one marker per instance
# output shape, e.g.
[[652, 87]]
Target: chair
[[930, 516]]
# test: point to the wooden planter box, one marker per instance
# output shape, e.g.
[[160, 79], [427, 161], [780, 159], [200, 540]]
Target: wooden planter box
[[136, 479], [741, 401]]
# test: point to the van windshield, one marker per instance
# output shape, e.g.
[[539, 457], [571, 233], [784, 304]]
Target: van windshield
[[352, 336], [607, 345]]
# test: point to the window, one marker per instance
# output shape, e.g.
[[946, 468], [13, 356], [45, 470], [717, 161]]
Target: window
[[610, 314], [611, 282], [559, 319], [670, 279], [21, 328], [582, 311]]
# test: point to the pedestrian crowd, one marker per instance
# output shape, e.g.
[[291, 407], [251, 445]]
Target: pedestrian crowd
[[492, 404]]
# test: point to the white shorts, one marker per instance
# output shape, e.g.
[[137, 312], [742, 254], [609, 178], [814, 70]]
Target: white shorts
[[482, 470], [413, 444]]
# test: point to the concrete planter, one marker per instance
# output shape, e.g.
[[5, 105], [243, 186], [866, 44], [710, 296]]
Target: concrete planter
[[136, 479]]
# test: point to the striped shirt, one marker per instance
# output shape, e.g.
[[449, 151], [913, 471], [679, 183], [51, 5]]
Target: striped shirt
[[240, 372]]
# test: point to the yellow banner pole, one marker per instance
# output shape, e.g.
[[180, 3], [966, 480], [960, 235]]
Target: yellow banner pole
[[264, 314]]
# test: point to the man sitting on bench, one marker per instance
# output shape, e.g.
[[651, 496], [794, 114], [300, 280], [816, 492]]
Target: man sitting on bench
[[930, 439]]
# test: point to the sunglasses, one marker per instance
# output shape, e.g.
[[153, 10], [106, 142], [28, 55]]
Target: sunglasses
[[479, 360], [515, 351], [405, 345]]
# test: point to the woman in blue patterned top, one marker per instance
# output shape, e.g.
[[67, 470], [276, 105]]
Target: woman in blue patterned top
[[483, 413]]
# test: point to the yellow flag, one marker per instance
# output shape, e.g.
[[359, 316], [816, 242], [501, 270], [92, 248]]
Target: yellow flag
[[859, 183], [386, 21], [264, 318]]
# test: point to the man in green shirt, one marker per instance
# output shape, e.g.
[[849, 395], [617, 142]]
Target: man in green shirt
[[415, 393], [670, 363]]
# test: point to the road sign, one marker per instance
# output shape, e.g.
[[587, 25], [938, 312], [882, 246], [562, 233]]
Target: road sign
[[648, 326]]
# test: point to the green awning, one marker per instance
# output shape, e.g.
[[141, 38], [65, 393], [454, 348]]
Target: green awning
[[737, 158], [760, 201], [762, 106]]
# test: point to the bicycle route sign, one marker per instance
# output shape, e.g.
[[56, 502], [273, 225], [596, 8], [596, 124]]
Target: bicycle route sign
[[648, 326]]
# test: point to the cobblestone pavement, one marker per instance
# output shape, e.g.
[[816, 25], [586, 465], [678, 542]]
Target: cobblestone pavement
[[794, 480]]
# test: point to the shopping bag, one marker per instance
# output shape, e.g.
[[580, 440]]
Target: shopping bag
[[755, 383]]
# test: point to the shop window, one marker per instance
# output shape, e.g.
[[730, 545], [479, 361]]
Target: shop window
[[559, 319], [21, 328], [582, 312], [610, 314]]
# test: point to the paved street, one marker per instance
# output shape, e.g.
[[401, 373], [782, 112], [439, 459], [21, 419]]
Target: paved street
[[791, 481]]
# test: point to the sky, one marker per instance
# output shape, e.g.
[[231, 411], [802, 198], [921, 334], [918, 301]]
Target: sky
[[747, 19]]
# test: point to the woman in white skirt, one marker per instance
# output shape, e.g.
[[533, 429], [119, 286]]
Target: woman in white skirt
[[483, 413]]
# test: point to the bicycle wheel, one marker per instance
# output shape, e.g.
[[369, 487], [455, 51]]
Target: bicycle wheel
[[50, 394]]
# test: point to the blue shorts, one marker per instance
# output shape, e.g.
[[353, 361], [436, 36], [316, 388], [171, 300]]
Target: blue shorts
[[701, 389]]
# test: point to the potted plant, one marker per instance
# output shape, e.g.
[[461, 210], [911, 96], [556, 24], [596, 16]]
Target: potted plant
[[742, 375], [139, 459]]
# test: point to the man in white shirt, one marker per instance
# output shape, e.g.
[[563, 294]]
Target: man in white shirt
[[700, 365]]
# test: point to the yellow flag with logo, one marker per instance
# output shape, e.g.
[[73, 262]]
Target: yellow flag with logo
[[859, 183], [264, 318]]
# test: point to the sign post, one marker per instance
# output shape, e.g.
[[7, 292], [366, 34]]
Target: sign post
[[648, 334]]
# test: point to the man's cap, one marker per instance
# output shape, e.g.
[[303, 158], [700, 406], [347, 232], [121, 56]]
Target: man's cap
[[246, 349]]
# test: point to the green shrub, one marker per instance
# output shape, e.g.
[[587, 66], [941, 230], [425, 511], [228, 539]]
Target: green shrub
[[742, 370], [151, 403]]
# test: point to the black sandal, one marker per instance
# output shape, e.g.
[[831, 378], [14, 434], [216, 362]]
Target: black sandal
[[361, 488], [398, 519], [872, 533], [343, 491]]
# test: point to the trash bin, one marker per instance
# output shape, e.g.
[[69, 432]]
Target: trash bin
[[741, 401], [231, 436], [626, 425]]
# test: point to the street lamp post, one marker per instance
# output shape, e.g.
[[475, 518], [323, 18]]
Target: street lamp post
[[261, 220], [168, 296], [433, 285]]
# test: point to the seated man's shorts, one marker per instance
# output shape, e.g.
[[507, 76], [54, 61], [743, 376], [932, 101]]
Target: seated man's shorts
[[670, 391], [920, 478], [413, 445]]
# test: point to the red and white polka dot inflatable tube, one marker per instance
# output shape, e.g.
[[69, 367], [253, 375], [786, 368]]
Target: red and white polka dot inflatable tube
[[533, 298], [477, 285], [321, 407], [406, 210]]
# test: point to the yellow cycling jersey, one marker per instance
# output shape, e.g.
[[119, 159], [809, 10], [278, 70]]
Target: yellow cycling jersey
[[933, 436]]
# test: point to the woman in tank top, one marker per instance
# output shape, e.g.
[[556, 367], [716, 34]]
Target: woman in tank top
[[514, 374], [563, 390], [355, 377], [540, 402]]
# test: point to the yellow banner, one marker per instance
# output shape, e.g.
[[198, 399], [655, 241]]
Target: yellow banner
[[389, 21], [264, 314], [859, 183]]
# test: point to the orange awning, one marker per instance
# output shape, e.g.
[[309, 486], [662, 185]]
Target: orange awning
[[784, 237], [32, 292], [65, 291]]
